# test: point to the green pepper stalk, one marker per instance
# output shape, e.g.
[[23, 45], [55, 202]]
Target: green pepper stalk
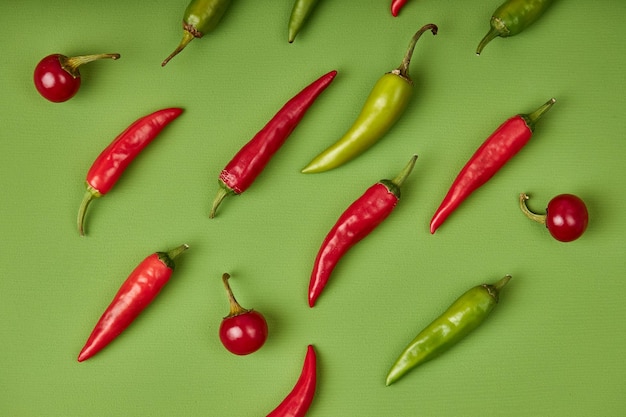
[[201, 17], [460, 319], [512, 17], [386, 103]]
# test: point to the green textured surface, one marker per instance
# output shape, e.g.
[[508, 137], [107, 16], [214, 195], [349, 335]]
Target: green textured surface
[[554, 345]]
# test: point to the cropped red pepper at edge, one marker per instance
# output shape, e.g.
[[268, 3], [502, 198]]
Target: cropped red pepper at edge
[[115, 158], [358, 221], [298, 401], [396, 5], [493, 154], [252, 158], [135, 294]]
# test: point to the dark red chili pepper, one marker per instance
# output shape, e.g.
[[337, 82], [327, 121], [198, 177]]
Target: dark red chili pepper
[[297, 403], [367, 212], [248, 163], [493, 154], [396, 5], [135, 294], [111, 163]]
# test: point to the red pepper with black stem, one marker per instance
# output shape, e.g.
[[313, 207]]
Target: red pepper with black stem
[[493, 154], [358, 221], [115, 158], [252, 158]]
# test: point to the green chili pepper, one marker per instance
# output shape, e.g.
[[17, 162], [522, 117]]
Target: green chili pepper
[[382, 109], [201, 17], [512, 17], [463, 316], [301, 11]]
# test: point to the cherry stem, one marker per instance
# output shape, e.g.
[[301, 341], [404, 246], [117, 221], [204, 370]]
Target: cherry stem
[[403, 69], [71, 64], [539, 218], [235, 307]]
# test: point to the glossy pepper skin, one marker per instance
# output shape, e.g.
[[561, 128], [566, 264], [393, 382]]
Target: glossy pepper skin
[[512, 17], [136, 293], [200, 18], [251, 159], [396, 5], [384, 106], [115, 158], [467, 313], [298, 401], [491, 156], [354, 224], [300, 13]]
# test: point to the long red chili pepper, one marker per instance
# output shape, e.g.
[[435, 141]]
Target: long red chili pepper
[[250, 161], [111, 163], [396, 5], [359, 219], [298, 401], [135, 294], [502, 145]]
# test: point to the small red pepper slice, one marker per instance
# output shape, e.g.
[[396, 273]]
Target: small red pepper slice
[[135, 294], [396, 5], [493, 154], [252, 158], [298, 401], [115, 158], [358, 221]]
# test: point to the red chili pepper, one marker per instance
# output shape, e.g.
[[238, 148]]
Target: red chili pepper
[[111, 163], [396, 5], [367, 212], [301, 396], [250, 161], [497, 149], [135, 294]]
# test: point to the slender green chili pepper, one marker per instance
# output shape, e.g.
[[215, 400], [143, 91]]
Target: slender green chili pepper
[[460, 319], [512, 17], [382, 109], [300, 13], [200, 17]]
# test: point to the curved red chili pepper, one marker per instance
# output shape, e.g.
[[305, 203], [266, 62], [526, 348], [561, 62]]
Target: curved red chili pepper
[[359, 219], [135, 294], [396, 5], [250, 161], [297, 403], [497, 149], [113, 160]]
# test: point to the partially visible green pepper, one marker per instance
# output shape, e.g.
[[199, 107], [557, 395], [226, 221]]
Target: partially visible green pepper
[[201, 17], [512, 17], [382, 109], [463, 316], [301, 11]]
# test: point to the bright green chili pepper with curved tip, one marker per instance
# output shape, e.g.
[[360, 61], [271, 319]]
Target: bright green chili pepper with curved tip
[[460, 319], [512, 17], [301, 11], [382, 109], [200, 17]]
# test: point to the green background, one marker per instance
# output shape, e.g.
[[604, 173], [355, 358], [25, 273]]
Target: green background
[[553, 346]]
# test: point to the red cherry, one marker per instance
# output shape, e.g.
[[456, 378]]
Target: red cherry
[[566, 216], [57, 77], [243, 331]]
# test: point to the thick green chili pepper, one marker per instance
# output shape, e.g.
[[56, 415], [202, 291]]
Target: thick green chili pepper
[[301, 11], [201, 17], [463, 316], [512, 17], [382, 109]]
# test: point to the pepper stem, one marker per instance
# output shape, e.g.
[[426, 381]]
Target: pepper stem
[[503, 281], [71, 64], [494, 289], [539, 218], [187, 37], [222, 193], [403, 69], [532, 118], [89, 196], [172, 254], [404, 174], [235, 307], [491, 35]]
